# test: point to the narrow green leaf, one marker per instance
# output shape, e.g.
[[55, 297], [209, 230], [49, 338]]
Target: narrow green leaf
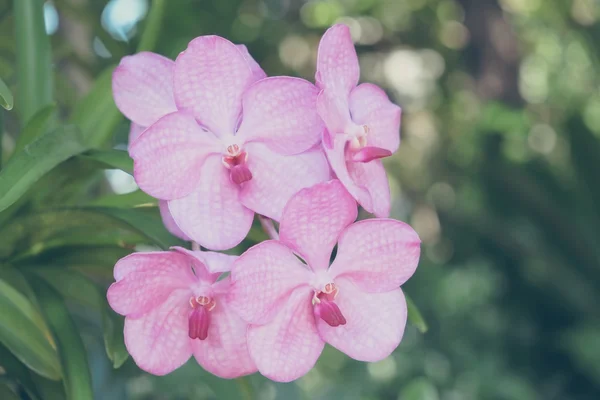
[[6, 97], [34, 61], [110, 159], [97, 115], [128, 200], [22, 336], [37, 125], [153, 26], [414, 315], [73, 356], [18, 372], [6, 393], [73, 285], [36, 159]]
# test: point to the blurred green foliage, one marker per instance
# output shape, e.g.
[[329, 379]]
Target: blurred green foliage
[[498, 171]]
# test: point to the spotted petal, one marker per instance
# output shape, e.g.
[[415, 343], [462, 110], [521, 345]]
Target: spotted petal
[[337, 62], [257, 71], [158, 341], [280, 112], [287, 347], [372, 177], [263, 277], [168, 156], [169, 222], [374, 326], [276, 178], [378, 255], [212, 214], [143, 87], [135, 131], [210, 77]]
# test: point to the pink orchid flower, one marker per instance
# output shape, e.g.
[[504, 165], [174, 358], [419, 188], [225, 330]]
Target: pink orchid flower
[[355, 304], [143, 91], [363, 126], [175, 307], [235, 146]]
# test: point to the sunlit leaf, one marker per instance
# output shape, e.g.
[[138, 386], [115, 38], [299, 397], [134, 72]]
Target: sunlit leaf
[[128, 200], [110, 159], [6, 97]]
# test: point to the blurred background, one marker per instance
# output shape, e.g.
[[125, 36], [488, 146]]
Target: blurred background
[[498, 171]]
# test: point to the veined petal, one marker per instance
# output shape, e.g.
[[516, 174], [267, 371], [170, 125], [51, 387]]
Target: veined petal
[[276, 178], [168, 156], [224, 352], [373, 178], [262, 279], [334, 111], [370, 106], [337, 62], [169, 222], [257, 71], [143, 87], [374, 326], [135, 131], [210, 77], [281, 113], [212, 214], [217, 262], [197, 261], [158, 341], [314, 218], [287, 347], [378, 255], [145, 280]]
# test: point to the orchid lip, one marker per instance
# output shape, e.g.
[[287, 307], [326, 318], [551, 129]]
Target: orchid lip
[[199, 319], [325, 306]]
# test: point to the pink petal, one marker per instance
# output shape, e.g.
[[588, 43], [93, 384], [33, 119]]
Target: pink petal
[[314, 218], [197, 260], [135, 131], [210, 77], [281, 113], [337, 62], [378, 255], [333, 109], [145, 280], [370, 106], [372, 176], [374, 323], [224, 352], [262, 279], [158, 341], [288, 347], [216, 262], [369, 153], [212, 214], [169, 222], [168, 156], [257, 71], [143, 87], [276, 178]]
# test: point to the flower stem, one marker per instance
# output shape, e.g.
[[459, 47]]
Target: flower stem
[[268, 227]]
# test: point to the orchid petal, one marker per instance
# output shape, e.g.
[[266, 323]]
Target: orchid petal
[[370, 153], [135, 132], [370, 106], [334, 111], [374, 326], [262, 279], [337, 62], [378, 255], [289, 346], [198, 263], [314, 218], [143, 87], [210, 77], [169, 222], [168, 156], [276, 178], [373, 178], [280, 112], [257, 71], [212, 215], [158, 341]]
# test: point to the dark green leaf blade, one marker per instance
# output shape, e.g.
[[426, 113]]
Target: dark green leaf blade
[[37, 125], [110, 159], [6, 393], [414, 315], [37, 159]]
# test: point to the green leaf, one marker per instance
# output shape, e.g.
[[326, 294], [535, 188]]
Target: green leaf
[[97, 115], [22, 336], [6, 97], [18, 372], [37, 125], [153, 26], [73, 356], [34, 61], [110, 159], [6, 393], [36, 159], [414, 315], [75, 286], [128, 200]]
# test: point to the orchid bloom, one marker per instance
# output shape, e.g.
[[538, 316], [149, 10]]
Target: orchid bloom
[[235, 146], [362, 124], [355, 304], [175, 307], [143, 90]]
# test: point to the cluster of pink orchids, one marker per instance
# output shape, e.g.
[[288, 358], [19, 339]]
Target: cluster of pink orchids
[[216, 141]]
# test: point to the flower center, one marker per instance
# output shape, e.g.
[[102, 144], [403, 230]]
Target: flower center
[[358, 136], [199, 319], [234, 160], [325, 307]]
